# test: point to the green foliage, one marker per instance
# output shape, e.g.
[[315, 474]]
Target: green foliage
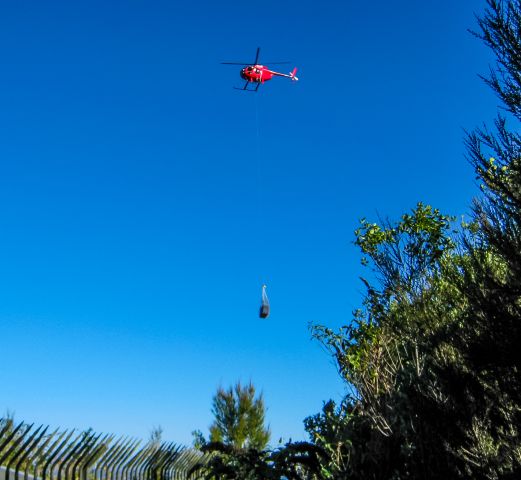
[[432, 358], [229, 462], [427, 400], [156, 437], [239, 418], [238, 440], [389, 352], [330, 430], [198, 440], [12, 436], [403, 253], [294, 461]]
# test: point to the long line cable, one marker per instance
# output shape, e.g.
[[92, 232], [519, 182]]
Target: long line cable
[[260, 230]]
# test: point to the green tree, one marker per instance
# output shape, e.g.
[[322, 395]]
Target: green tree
[[238, 437], [491, 332], [239, 417], [432, 357], [294, 461], [156, 437], [389, 355]]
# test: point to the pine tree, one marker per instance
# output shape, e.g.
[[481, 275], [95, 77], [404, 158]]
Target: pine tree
[[239, 418]]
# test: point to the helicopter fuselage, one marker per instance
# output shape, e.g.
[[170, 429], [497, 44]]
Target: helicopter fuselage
[[256, 73]]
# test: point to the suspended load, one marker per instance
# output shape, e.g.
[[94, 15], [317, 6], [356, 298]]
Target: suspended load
[[265, 304]]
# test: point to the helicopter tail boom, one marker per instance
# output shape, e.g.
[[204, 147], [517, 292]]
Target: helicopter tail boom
[[291, 75]]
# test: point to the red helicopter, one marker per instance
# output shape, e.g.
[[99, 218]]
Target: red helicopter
[[255, 73]]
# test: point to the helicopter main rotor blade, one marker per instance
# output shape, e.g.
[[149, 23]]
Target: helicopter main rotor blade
[[266, 63], [257, 56]]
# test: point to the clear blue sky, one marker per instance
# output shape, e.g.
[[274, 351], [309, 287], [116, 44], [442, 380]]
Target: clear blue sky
[[133, 238]]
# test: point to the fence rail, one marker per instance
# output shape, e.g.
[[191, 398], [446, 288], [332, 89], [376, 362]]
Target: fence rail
[[29, 452]]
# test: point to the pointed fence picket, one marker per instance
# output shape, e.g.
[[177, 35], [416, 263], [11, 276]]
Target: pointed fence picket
[[34, 453]]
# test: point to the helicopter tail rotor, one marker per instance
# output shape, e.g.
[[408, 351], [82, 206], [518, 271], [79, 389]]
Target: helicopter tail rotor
[[293, 75]]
